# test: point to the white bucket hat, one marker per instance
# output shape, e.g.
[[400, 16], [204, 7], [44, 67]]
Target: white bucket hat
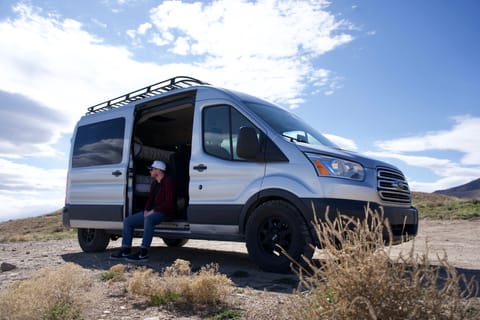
[[157, 164]]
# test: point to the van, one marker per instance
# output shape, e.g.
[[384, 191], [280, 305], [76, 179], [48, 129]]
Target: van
[[244, 170]]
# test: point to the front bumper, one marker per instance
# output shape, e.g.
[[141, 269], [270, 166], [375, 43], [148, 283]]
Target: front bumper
[[403, 221]]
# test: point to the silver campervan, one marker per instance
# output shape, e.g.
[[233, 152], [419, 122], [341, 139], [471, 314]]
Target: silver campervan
[[244, 169]]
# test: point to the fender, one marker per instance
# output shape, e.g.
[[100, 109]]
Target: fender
[[275, 193]]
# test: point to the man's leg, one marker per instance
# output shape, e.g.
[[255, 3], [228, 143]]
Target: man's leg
[[129, 224], [148, 226]]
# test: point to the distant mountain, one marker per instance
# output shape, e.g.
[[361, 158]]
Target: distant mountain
[[469, 190]]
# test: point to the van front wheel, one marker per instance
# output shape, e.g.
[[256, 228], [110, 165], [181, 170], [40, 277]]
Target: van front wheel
[[272, 226], [93, 240]]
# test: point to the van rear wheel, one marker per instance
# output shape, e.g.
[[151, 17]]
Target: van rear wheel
[[93, 240], [276, 224], [172, 242]]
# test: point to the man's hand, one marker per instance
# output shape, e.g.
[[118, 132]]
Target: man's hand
[[147, 213]]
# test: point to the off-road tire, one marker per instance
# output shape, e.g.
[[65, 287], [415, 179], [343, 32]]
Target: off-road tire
[[93, 240], [276, 223]]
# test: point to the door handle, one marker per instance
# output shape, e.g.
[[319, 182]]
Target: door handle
[[116, 173], [200, 167]]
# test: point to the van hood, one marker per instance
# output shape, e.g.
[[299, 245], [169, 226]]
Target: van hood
[[344, 154]]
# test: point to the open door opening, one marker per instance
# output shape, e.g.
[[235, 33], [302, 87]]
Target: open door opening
[[162, 132]]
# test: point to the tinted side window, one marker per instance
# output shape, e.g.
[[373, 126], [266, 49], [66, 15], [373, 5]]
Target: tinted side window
[[99, 143], [221, 125]]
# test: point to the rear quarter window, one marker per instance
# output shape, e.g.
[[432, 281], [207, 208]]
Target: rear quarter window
[[99, 143]]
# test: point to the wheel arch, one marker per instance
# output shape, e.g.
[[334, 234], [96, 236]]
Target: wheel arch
[[263, 196]]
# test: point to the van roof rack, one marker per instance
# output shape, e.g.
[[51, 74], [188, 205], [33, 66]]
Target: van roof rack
[[149, 91]]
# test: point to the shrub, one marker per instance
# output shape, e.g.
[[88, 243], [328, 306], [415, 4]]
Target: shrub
[[178, 268], [114, 274], [208, 286], [358, 278], [144, 282], [178, 284], [50, 294]]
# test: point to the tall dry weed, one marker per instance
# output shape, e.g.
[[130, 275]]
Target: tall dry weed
[[51, 293], [359, 279]]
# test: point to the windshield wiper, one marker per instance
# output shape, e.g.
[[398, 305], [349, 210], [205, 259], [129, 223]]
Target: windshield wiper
[[292, 139]]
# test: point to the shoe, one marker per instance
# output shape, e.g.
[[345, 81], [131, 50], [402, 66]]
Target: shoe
[[121, 254], [141, 256]]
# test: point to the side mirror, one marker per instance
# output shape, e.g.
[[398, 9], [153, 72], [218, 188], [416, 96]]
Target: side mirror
[[247, 143]]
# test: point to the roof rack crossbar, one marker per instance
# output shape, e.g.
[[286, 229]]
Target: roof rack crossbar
[[149, 91]]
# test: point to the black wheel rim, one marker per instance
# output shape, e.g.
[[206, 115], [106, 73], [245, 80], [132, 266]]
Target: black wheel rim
[[88, 235], [274, 234]]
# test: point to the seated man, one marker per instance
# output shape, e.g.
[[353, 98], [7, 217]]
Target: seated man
[[160, 207]]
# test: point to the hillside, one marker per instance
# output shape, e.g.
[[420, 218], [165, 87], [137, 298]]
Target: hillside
[[45, 227], [469, 190], [444, 207]]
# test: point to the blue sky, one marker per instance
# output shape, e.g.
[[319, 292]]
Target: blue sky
[[395, 80]]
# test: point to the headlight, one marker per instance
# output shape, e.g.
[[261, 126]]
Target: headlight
[[335, 167]]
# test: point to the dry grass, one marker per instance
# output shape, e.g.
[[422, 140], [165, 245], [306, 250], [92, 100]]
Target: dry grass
[[50, 294], [362, 281], [179, 285]]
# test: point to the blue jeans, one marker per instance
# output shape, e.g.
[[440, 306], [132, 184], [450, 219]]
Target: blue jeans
[[137, 220]]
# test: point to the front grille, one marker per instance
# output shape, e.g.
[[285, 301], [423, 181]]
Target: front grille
[[392, 186]]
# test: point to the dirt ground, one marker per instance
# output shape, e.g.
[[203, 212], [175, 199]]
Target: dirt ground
[[459, 240]]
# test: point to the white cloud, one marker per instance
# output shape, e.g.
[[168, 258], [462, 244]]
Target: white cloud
[[140, 31], [181, 46], [158, 40], [266, 48], [26, 190], [342, 142], [144, 27], [235, 28], [99, 23], [463, 137], [450, 174]]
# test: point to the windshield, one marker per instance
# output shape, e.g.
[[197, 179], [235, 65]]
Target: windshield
[[289, 125]]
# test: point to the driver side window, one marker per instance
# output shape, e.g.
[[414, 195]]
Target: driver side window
[[221, 125]]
